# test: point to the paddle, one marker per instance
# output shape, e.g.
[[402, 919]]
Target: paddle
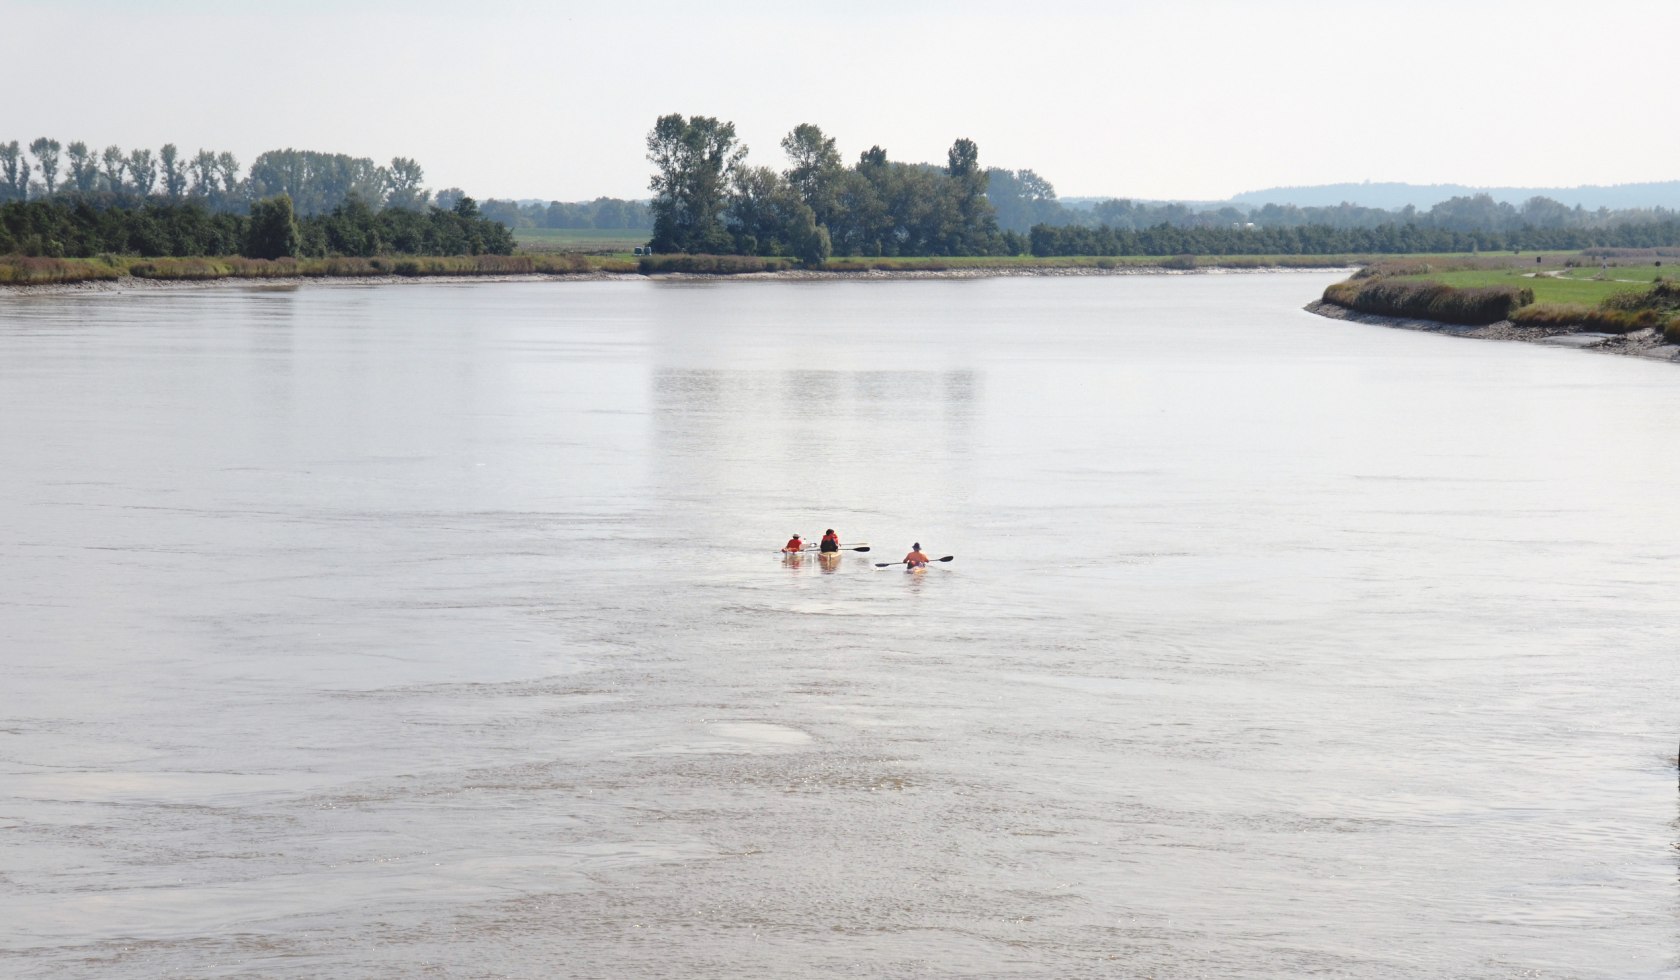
[[858, 548], [889, 564]]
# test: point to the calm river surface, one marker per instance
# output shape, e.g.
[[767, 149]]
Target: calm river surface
[[437, 630]]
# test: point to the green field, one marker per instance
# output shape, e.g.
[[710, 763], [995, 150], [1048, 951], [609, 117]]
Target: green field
[[598, 241], [1551, 289], [1627, 273]]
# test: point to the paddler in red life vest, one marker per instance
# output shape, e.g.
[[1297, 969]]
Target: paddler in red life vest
[[830, 542], [794, 546], [915, 559]]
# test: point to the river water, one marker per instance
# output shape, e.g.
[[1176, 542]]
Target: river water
[[438, 630]]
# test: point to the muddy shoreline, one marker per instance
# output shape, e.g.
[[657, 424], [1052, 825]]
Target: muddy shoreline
[[1642, 343], [134, 284]]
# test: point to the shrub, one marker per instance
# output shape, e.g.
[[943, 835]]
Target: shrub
[[1664, 292], [273, 230], [1574, 315], [181, 269], [1378, 269], [714, 265]]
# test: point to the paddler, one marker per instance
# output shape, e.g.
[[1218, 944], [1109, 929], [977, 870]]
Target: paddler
[[794, 546], [915, 559], [830, 542]]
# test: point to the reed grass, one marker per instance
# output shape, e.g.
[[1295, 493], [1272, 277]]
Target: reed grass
[[21, 270], [1625, 311], [711, 265], [1575, 316], [1429, 300]]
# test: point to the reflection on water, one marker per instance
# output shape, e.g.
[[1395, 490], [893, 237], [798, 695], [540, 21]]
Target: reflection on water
[[441, 630], [822, 439]]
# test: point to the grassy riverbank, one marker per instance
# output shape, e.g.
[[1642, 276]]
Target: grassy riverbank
[[1571, 294], [22, 271], [1453, 270], [34, 271]]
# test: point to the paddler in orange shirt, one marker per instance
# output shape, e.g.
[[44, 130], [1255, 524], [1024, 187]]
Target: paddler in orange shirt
[[915, 559], [794, 546]]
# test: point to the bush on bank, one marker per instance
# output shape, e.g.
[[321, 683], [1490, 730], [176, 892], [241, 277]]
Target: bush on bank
[[1577, 316], [1429, 300], [714, 265], [1656, 308], [23, 270]]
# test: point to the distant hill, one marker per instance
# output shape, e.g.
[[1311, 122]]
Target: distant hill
[[1425, 196], [1087, 203]]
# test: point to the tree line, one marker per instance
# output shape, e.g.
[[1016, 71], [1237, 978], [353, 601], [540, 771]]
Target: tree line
[[1391, 238], [81, 227], [1023, 199], [75, 200], [707, 199], [316, 182]]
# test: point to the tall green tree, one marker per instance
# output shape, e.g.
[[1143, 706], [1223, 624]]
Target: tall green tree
[[46, 155], [406, 175], [227, 166], [1022, 199], [860, 224], [976, 233], [317, 182], [174, 171], [114, 164], [84, 167], [202, 167], [142, 171], [815, 171], [14, 172], [767, 217], [273, 232], [694, 161]]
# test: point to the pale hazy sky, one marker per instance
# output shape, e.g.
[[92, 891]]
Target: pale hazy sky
[[1191, 99]]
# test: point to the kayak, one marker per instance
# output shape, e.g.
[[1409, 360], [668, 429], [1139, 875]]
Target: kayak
[[914, 569]]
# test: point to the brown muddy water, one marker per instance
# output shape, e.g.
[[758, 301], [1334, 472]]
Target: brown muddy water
[[437, 630]]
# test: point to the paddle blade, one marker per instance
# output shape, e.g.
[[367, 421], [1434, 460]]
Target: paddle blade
[[946, 558], [864, 548]]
